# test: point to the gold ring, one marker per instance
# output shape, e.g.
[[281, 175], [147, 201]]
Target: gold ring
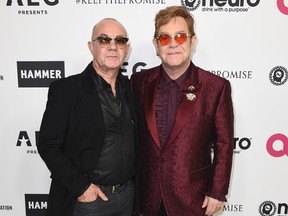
[[218, 208]]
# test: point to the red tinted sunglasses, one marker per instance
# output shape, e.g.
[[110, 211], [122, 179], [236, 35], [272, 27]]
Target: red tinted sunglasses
[[180, 38]]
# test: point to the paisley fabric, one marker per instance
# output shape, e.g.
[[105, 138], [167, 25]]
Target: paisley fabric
[[196, 160]]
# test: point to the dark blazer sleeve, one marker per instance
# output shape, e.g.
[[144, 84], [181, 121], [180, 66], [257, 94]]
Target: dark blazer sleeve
[[53, 131]]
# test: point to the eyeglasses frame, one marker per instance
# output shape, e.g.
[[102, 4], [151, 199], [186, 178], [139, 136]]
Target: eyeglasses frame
[[186, 34], [110, 39]]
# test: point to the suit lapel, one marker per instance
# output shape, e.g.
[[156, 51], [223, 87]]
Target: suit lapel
[[149, 98], [130, 99], [185, 106], [90, 98]]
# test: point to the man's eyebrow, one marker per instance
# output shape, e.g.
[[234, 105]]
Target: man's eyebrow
[[103, 35]]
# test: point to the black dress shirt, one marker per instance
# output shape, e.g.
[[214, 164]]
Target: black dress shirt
[[116, 163]]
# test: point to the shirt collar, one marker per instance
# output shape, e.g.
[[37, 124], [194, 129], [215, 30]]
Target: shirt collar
[[165, 79], [102, 84]]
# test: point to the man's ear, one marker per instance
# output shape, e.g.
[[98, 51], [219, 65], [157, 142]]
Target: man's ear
[[90, 46], [155, 43], [193, 42]]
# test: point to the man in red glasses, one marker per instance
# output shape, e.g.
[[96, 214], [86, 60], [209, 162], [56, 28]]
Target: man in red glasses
[[87, 135], [185, 117]]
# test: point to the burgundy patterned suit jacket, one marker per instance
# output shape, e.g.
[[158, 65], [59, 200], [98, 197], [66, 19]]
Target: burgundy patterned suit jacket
[[183, 171]]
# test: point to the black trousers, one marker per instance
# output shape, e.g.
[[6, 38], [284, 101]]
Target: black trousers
[[162, 210]]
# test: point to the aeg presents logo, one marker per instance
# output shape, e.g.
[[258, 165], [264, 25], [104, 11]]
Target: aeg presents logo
[[279, 151], [33, 3], [282, 7], [31, 7], [25, 140]]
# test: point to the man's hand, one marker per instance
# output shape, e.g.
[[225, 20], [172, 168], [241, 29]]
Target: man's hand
[[91, 194], [212, 205]]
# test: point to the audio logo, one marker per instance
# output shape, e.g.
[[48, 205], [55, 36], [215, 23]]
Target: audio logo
[[282, 7], [278, 75], [272, 150], [191, 4], [267, 208]]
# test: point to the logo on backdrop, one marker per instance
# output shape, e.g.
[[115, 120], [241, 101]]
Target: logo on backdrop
[[24, 140], [278, 75], [279, 150], [220, 5], [230, 74], [24, 6], [36, 204], [121, 2], [282, 7], [233, 208], [6, 208], [39, 74], [269, 208], [138, 66], [241, 144]]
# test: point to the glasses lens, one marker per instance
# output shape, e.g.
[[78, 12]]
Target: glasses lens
[[121, 41], [164, 39], [180, 38], [104, 41]]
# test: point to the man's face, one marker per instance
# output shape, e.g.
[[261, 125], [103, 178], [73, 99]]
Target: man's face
[[175, 55], [108, 57]]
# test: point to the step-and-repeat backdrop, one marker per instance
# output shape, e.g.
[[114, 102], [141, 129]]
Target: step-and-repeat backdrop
[[244, 41]]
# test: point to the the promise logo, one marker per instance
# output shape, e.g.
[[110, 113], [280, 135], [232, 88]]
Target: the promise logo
[[39, 74]]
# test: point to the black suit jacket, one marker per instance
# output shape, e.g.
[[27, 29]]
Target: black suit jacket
[[71, 137]]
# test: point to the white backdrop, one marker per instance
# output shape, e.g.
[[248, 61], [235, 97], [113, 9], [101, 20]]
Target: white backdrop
[[244, 41]]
